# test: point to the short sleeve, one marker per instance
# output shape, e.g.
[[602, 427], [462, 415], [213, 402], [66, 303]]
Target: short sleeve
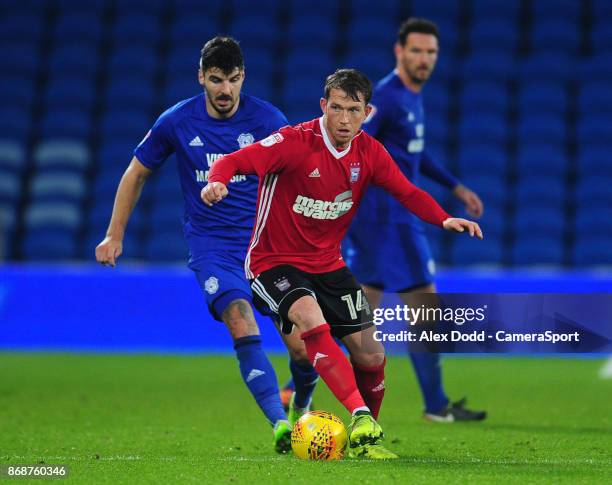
[[157, 144]]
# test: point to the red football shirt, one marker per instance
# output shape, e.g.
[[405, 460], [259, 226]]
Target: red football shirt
[[309, 192]]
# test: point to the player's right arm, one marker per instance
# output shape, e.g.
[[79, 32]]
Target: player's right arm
[[127, 195], [259, 158]]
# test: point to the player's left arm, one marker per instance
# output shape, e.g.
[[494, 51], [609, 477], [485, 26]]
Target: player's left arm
[[423, 205], [438, 173]]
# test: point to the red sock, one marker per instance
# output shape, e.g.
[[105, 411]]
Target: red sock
[[333, 366], [371, 383]]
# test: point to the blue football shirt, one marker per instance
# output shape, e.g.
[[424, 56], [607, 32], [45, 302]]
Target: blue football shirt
[[198, 140]]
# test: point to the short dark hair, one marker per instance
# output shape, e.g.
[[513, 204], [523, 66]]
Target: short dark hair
[[223, 53], [352, 82], [416, 25]]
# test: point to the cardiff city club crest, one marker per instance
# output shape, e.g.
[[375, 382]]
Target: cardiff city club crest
[[355, 168], [245, 139], [211, 285]]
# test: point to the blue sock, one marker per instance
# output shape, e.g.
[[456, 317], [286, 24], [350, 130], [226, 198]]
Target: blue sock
[[429, 374], [304, 381], [259, 376]]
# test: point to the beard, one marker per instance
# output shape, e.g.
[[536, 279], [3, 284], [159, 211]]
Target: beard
[[221, 110]]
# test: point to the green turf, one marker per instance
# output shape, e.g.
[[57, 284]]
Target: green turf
[[169, 419]]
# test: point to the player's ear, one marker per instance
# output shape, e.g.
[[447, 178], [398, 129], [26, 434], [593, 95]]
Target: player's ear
[[397, 48], [323, 103], [368, 110], [201, 77]]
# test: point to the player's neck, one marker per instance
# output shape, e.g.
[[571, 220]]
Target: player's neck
[[408, 82]]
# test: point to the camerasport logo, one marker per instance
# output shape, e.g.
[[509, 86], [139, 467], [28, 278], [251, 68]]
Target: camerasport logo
[[324, 209]]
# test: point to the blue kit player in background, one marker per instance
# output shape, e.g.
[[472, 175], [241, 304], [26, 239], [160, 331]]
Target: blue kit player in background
[[199, 130], [386, 247]]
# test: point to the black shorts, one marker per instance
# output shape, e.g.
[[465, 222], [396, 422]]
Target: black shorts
[[340, 297]]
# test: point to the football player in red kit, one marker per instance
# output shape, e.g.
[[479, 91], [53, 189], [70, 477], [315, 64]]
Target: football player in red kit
[[311, 179]]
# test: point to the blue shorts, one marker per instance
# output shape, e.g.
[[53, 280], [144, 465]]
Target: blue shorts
[[222, 279], [391, 257]]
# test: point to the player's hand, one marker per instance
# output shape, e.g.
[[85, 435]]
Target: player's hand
[[108, 251], [473, 204], [461, 225], [213, 192]]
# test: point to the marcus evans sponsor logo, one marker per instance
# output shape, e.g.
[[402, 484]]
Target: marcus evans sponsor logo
[[323, 209]]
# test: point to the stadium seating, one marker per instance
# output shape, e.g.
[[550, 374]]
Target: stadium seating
[[519, 107]]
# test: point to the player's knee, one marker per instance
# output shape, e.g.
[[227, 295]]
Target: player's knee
[[369, 359], [239, 319]]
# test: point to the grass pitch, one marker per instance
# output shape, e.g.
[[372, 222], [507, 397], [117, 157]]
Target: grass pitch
[[176, 419]]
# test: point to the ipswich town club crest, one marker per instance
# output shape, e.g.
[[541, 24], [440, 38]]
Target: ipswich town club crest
[[355, 168], [282, 284], [245, 139]]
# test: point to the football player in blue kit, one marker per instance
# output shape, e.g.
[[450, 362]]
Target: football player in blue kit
[[199, 130], [386, 247]]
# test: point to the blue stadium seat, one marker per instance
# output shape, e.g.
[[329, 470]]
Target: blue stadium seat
[[542, 127], [80, 60], [125, 124], [12, 155], [537, 191], [10, 187], [593, 191], [547, 67], [467, 251], [494, 33], [17, 92], [438, 10], [50, 245], [8, 220], [374, 63], [248, 30], [19, 59], [594, 221], [166, 216], [134, 28], [66, 124], [181, 87], [539, 250], [97, 6], [141, 6], [556, 35], [303, 93], [245, 7], [300, 32], [183, 60], [595, 129], [130, 92], [20, 26], [194, 7], [15, 123], [536, 221], [594, 160], [365, 32], [259, 62], [62, 155], [596, 68], [53, 215], [562, 9], [191, 29], [492, 189], [482, 160], [496, 9], [166, 247], [320, 8], [260, 86], [57, 186], [78, 27], [488, 127], [540, 96], [70, 92], [386, 9], [592, 250], [601, 9], [436, 98], [595, 97], [487, 65], [436, 130], [137, 60], [541, 159], [485, 96], [601, 37]]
